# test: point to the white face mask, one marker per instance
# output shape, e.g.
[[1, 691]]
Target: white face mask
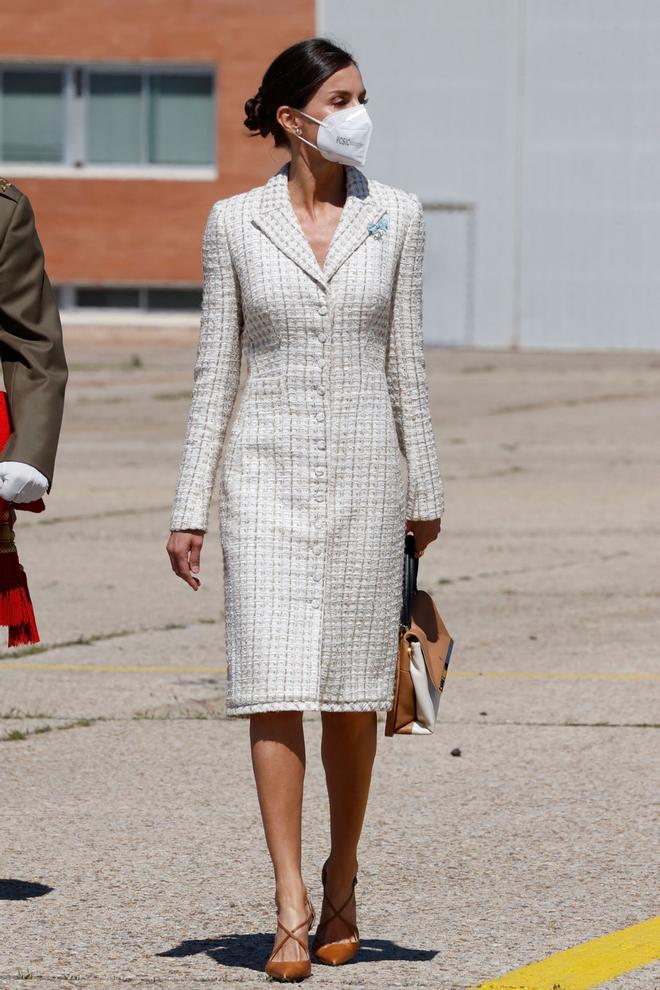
[[343, 135]]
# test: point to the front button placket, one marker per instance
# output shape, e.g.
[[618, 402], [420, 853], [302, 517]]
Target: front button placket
[[319, 466]]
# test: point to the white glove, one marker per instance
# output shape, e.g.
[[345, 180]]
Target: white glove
[[21, 482]]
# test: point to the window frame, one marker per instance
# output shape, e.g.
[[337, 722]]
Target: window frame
[[75, 93], [67, 297]]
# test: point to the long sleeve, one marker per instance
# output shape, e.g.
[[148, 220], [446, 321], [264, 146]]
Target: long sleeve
[[31, 346], [407, 378], [216, 377]]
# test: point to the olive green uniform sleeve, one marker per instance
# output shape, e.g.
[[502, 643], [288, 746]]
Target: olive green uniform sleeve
[[31, 346]]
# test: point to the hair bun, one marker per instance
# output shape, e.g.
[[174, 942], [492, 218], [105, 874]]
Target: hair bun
[[291, 80], [254, 113]]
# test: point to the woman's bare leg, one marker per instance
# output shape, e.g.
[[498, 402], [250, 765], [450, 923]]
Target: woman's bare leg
[[348, 749], [278, 759]]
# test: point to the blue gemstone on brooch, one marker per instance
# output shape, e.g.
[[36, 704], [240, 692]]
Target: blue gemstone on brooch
[[378, 228]]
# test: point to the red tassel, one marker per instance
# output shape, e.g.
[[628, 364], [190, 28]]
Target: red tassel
[[22, 625], [16, 609]]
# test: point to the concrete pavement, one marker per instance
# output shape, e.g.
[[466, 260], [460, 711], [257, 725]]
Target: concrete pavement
[[133, 848]]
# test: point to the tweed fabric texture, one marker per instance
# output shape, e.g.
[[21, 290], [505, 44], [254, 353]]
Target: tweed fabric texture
[[312, 504]]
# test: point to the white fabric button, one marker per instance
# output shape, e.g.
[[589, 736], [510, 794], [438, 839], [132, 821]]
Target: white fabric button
[[320, 417], [321, 337], [323, 310], [315, 603], [316, 549]]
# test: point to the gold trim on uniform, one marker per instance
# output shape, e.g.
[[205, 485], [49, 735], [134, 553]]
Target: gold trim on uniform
[[7, 544]]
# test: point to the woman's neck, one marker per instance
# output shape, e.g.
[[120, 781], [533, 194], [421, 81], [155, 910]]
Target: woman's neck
[[313, 186]]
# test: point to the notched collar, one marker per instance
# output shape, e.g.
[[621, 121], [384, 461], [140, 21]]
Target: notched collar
[[276, 217]]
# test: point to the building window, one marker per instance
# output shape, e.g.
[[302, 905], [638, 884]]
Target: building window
[[141, 298], [92, 115], [171, 299], [115, 118], [104, 298], [32, 116]]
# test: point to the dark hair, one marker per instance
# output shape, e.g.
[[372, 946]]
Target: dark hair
[[291, 80]]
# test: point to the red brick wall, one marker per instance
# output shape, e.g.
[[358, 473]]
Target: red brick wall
[[114, 230]]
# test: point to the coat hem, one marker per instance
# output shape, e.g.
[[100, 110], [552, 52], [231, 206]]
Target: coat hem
[[377, 704]]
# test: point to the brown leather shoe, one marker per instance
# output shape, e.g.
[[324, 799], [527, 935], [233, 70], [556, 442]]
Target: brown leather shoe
[[336, 953], [291, 969]]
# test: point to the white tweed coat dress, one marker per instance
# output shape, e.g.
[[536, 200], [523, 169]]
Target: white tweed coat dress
[[312, 505]]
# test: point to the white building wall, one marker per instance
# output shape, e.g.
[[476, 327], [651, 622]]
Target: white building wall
[[529, 128]]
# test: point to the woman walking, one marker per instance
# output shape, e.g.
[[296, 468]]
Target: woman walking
[[316, 278]]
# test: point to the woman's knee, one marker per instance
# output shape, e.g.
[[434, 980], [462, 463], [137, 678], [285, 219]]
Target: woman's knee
[[349, 724], [275, 724]]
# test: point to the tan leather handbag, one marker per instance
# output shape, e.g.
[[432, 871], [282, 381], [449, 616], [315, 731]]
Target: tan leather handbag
[[424, 650]]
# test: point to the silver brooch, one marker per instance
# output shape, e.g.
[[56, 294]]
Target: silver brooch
[[378, 228]]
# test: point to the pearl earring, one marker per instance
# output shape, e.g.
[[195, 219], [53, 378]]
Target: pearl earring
[[298, 130]]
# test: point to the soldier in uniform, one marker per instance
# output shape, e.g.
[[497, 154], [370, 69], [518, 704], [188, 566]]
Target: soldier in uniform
[[32, 352]]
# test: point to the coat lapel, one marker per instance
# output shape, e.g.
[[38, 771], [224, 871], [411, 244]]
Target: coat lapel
[[278, 220]]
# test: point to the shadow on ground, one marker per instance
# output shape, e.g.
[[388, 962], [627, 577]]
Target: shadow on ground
[[21, 890], [250, 951]]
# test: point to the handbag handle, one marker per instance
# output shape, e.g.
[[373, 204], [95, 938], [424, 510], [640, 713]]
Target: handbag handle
[[410, 567]]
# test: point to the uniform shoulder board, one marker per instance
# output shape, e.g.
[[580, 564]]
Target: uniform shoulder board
[[8, 189]]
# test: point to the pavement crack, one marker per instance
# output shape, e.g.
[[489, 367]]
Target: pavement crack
[[104, 514], [562, 565], [578, 401], [18, 735], [36, 648]]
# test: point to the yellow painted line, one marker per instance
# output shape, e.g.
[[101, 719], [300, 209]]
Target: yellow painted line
[[589, 964], [161, 669], [555, 676]]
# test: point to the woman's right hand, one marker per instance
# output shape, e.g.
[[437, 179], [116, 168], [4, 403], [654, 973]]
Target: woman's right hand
[[184, 547], [424, 531]]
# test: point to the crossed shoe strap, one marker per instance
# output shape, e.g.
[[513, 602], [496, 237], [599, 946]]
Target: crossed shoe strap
[[337, 912], [291, 933]]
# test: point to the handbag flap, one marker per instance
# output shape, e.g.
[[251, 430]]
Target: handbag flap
[[427, 625]]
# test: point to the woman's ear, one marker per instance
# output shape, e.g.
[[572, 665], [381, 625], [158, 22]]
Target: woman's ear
[[286, 119]]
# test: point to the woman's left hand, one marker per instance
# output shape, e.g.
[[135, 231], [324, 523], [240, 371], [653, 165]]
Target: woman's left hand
[[424, 531]]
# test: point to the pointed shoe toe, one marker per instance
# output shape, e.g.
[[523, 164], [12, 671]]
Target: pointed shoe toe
[[336, 953], [289, 971]]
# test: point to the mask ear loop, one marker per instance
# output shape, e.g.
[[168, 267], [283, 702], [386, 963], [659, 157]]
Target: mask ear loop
[[309, 117], [301, 138], [310, 143]]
